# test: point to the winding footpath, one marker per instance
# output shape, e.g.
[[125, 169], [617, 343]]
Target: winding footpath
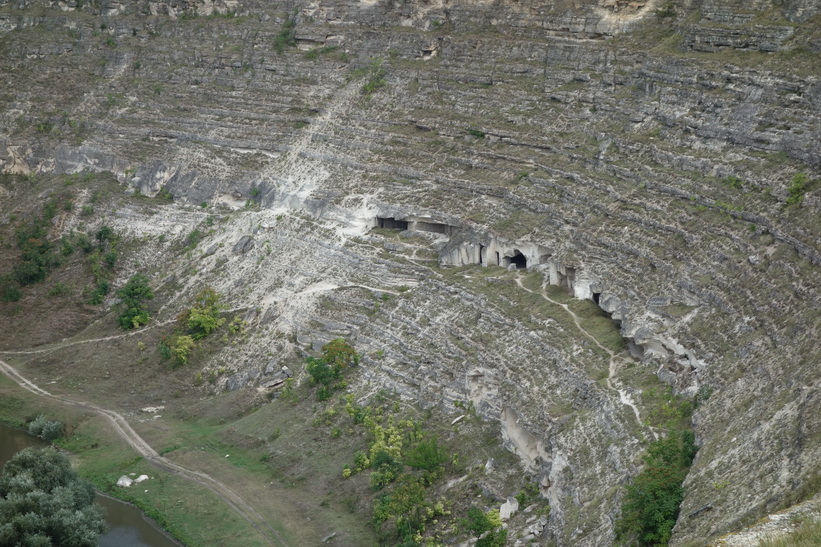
[[124, 430], [612, 381]]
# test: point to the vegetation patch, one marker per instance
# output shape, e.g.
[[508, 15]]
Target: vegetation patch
[[194, 324], [132, 301], [651, 506], [44, 502]]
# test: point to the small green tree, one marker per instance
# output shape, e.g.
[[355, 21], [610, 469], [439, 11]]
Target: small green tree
[[204, 315], [44, 502], [181, 348], [337, 355], [132, 300]]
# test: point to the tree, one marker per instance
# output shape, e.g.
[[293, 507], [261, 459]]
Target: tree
[[44, 502], [133, 296], [204, 315]]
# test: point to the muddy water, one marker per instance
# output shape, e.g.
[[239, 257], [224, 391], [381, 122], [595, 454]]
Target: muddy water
[[128, 527]]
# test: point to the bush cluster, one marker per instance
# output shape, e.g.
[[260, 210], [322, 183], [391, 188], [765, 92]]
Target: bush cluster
[[194, 324], [45, 429], [651, 506], [132, 301], [326, 371]]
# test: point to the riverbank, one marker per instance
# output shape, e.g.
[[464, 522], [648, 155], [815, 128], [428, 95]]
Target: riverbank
[[127, 525], [191, 514]]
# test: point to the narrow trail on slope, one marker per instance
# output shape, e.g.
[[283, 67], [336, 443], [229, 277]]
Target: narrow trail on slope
[[124, 430], [62, 344], [612, 380]]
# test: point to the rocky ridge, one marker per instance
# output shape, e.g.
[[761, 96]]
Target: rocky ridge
[[652, 181]]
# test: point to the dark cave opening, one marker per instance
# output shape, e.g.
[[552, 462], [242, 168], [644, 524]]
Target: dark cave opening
[[391, 223], [519, 260], [481, 254], [435, 227], [596, 297]]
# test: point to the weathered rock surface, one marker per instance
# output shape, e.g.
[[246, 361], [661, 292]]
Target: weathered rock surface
[[638, 157]]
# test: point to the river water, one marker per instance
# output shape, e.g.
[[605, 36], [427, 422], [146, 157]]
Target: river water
[[127, 526]]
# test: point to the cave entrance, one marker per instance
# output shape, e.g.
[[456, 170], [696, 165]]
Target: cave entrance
[[481, 254], [391, 223], [519, 260], [435, 227], [596, 297]]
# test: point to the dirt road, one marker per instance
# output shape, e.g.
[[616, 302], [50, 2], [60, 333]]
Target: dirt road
[[124, 430]]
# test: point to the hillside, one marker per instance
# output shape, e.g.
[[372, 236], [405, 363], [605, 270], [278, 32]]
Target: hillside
[[542, 213]]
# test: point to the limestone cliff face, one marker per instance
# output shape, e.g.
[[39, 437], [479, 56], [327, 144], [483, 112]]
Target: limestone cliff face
[[642, 155]]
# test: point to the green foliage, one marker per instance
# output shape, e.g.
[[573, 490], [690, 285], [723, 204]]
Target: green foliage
[[110, 258], [204, 315], [37, 257], [45, 429], [477, 522], [286, 36], [193, 239], [478, 133], [376, 78], [667, 410], [797, 189], [326, 371], [84, 243], [651, 506], [180, 349], [9, 289], [426, 454], [314, 54], [132, 300], [99, 293], [406, 508], [104, 234], [733, 182], [44, 502]]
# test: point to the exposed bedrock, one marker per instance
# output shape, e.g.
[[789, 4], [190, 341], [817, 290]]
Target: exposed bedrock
[[646, 156]]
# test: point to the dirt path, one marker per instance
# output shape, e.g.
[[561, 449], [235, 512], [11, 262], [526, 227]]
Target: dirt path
[[612, 380], [61, 344], [124, 430]]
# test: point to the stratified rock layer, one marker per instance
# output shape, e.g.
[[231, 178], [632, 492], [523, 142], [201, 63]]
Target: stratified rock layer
[[640, 155]]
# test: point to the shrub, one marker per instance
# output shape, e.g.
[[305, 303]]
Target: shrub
[[133, 296], [9, 289], [45, 429], [105, 233], [476, 522], [797, 188], [85, 243], [339, 352], [180, 349], [376, 78], [99, 293], [286, 36], [426, 454], [326, 371], [193, 239], [651, 506], [203, 317]]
